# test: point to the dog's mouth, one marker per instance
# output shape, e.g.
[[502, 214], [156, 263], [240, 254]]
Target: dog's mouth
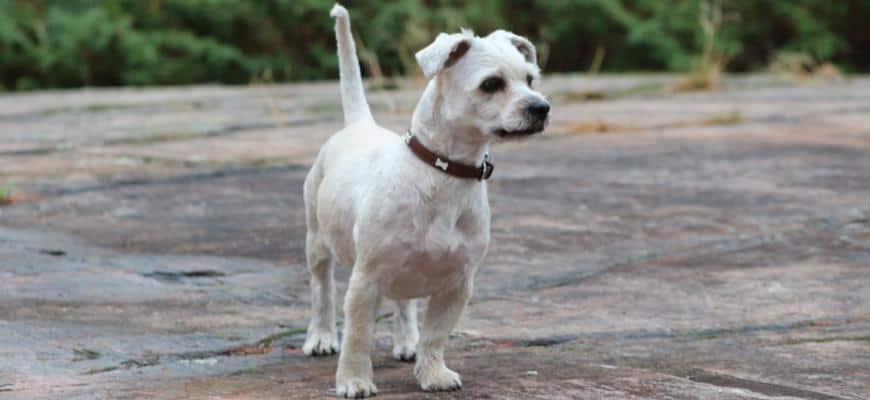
[[537, 127]]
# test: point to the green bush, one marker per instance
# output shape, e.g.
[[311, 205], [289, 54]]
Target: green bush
[[72, 43]]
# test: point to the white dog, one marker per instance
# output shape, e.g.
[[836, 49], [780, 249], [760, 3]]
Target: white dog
[[412, 216]]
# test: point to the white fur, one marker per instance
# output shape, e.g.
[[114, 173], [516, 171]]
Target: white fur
[[433, 57], [408, 230], [353, 97]]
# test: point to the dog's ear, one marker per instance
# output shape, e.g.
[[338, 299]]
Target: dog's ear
[[523, 45], [445, 51]]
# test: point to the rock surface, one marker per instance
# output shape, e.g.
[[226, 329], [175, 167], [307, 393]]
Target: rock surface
[[650, 245]]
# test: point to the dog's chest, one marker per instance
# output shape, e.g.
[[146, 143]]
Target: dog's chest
[[444, 253]]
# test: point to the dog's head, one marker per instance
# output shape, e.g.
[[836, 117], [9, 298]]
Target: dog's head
[[487, 83]]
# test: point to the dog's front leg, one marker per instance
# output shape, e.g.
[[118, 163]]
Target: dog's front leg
[[354, 376], [442, 315]]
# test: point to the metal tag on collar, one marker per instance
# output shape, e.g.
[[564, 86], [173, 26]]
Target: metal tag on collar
[[439, 163], [486, 168], [408, 137]]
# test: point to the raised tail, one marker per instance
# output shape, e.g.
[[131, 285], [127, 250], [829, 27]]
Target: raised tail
[[353, 96]]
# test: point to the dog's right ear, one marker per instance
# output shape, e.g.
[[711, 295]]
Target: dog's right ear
[[445, 51]]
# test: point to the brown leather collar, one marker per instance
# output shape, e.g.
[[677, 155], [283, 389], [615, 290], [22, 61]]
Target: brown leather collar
[[448, 166]]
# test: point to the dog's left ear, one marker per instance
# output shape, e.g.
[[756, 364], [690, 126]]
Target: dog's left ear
[[445, 51], [523, 45]]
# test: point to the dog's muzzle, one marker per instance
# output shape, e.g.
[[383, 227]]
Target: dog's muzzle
[[537, 115]]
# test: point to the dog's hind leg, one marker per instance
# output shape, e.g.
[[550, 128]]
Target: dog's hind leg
[[405, 331], [322, 338]]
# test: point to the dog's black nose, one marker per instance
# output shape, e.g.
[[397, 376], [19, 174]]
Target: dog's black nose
[[539, 110]]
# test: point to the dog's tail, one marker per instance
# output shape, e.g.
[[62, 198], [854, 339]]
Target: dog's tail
[[353, 97]]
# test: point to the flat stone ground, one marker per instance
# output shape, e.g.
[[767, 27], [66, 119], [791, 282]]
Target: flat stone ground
[[649, 245]]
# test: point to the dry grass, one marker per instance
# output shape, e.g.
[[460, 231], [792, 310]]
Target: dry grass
[[597, 60], [729, 118], [598, 126], [601, 126], [580, 96], [705, 78], [801, 68], [707, 72], [575, 96]]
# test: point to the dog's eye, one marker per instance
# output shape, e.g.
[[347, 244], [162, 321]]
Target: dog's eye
[[492, 85], [529, 79]]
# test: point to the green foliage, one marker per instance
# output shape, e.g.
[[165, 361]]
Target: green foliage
[[71, 43]]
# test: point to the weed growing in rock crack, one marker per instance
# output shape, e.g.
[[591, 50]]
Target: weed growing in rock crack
[[6, 197], [828, 339], [81, 354], [731, 118]]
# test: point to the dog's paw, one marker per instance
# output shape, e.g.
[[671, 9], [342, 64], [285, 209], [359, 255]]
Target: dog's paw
[[405, 352], [355, 388], [439, 380], [320, 344]]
